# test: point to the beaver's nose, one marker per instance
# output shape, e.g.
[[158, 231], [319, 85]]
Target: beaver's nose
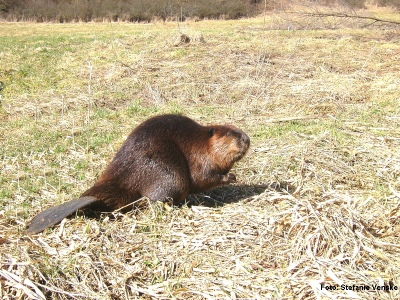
[[245, 139]]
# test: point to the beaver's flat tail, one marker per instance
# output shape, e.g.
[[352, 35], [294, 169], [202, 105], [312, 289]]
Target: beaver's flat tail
[[53, 215]]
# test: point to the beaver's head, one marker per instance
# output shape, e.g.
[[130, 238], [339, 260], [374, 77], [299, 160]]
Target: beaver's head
[[228, 144]]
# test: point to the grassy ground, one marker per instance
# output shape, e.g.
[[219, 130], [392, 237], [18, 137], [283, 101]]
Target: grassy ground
[[317, 196]]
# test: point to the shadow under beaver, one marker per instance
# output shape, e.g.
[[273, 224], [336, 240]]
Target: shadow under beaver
[[215, 198]]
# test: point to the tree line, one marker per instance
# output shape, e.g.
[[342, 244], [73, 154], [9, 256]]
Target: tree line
[[125, 10], [146, 10]]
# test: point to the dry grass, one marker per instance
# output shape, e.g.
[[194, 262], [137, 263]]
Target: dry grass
[[317, 197]]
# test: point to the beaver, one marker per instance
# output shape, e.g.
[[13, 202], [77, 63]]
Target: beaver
[[165, 157]]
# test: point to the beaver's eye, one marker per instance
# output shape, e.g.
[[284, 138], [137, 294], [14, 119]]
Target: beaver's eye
[[228, 133]]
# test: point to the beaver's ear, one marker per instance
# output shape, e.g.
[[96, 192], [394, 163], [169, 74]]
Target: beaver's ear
[[211, 132]]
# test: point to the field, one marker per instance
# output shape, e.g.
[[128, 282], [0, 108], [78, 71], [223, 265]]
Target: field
[[316, 205]]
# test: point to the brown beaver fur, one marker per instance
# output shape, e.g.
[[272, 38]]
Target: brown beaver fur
[[167, 156]]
